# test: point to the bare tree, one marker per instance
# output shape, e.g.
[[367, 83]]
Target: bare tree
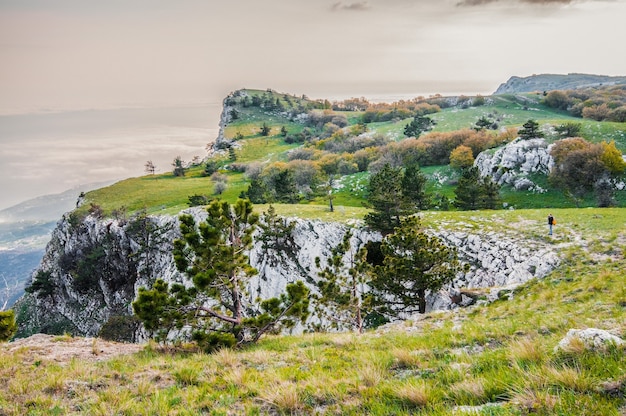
[[150, 168]]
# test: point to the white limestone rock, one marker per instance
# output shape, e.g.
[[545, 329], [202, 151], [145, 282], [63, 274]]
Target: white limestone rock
[[512, 163], [592, 338]]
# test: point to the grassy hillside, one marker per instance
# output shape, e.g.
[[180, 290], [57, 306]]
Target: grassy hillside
[[166, 193], [489, 359], [496, 359]]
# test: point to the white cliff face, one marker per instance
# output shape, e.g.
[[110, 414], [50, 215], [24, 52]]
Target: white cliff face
[[513, 163], [495, 261], [96, 267], [310, 239]]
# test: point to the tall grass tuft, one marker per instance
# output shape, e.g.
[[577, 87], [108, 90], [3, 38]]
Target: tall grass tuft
[[188, 375], [404, 358], [416, 394], [226, 358], [526, 352], [534, 401], [468, 392], [283, 398], [570, 378]]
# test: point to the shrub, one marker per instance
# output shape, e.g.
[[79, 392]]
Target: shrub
[[120, 328], [197, 200], [41, 284], [8, 327], [461, 157]]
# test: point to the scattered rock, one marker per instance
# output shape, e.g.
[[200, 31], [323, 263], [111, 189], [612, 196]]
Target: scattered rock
[[475, 410], [591, 338], [613, 388]]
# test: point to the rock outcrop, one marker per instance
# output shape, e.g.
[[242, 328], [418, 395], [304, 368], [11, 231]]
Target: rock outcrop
[[497, 262], [514, 163], [591, 339], [549, 82], [93, 269]]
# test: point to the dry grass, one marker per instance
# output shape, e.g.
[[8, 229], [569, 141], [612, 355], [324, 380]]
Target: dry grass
[[415, 393], [283, 397], [569, 378], [468, 391], [404, 358], [226, 358], [371, 375], [533, 401], [526, 351]]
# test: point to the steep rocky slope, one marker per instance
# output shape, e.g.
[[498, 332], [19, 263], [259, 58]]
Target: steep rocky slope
[[92, 269]]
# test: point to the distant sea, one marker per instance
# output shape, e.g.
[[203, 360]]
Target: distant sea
[[47, 153], [46, 159]]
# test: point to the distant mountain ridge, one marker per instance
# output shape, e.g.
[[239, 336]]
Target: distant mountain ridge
[[47, 207], [24, 232], [549, 82]]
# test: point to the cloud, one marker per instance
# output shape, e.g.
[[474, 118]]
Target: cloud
[[541, 2], [358, 6]]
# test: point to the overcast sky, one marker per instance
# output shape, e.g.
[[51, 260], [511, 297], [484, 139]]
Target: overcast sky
[[82, 54], [88, 53]]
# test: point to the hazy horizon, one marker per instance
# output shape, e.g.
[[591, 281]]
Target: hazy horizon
[[49, 153], [69, 55]]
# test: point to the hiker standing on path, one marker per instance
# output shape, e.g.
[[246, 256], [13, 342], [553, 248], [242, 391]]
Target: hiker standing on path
[[551, 222]]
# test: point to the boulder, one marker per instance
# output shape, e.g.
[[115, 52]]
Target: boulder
[[511, 164], [592, 339]]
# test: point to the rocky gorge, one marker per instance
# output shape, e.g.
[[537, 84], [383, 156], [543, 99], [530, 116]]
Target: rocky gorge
[[93, 269]]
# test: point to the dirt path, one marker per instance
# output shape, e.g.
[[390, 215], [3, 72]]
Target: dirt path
[[62, 349]]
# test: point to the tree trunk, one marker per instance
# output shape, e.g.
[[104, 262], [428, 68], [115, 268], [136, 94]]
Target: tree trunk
[[421, 293]]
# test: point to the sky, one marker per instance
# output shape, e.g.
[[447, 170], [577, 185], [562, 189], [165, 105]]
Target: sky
[[68, 55]]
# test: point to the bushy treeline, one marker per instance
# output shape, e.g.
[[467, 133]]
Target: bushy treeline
[[310, 167], [581, 167], [599, 104], [273, 101], [336, 143]]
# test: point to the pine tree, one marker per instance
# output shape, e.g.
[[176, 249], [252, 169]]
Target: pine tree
[[343, 301], [468, 190], [265, 130], [151, 239], [386, 200], [276, 232], [257, 191], [179, 166], [420, 124], [413, 264], [414, 189], [232, 156], [284, 187], [490, 193], [530, 130], [212, 256], [476, 192], [150, 168], [483, 123]]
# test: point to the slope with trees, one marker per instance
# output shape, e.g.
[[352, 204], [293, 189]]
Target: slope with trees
[[212, 257]]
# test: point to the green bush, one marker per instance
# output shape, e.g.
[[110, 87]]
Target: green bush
[[120, 328], [42, 284], [8, 327]]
